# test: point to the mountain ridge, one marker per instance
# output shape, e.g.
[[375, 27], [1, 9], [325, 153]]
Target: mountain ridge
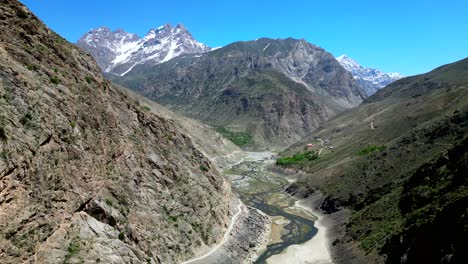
[[118, 51], [398, 161], [370, 79], [87, 173], [275, 89]]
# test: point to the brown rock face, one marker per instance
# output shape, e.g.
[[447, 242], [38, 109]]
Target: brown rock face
[[86, 173]]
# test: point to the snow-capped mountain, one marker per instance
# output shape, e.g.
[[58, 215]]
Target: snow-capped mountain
[[370, 79], [119, 51]]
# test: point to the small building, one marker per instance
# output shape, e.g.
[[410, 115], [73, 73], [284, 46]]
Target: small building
[[309, 146]]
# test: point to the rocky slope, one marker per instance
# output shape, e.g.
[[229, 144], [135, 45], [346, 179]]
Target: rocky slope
[[371, 80], [276, 90], [399, 162], [118, 51], [87, 174]]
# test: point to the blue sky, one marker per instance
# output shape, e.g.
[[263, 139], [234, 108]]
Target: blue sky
[[410, 37]]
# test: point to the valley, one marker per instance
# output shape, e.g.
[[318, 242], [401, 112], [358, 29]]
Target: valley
[[160, 149], [293, 223]]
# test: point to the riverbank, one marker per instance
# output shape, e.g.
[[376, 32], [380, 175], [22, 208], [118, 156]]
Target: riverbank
[[317, 249], [249, 230]]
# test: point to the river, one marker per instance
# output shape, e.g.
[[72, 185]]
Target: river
[[294, 233]]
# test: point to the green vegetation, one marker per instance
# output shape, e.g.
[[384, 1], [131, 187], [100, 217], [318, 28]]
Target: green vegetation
[[26, 119], [239, 138], [89, 79], [370, 149], [3, 135], [121, 236], [173, 218], [72, 250], [109, 201], [204, 168], [31, 67], [146, 108], [297, 158], [54, 80], [22, 14]]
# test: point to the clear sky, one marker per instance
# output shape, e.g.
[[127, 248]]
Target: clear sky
[[410, 37]]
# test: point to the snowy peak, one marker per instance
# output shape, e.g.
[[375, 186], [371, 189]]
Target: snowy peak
[[370, 79], [349, 62], [119, 51]]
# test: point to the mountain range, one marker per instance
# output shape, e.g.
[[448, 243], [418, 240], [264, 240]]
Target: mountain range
[[118, 51], [91, 172], [275, 90], [371, 80]]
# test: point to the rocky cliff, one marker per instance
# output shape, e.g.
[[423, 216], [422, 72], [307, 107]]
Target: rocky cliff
[[87, 174], [276, 90]]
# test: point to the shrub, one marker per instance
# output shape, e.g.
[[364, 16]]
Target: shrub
[[370, 149], [121, 236], [72, 249], [297, 158], [22, 14], [3, 135], [204, 168], [109, 201], [26, 118], [89, 79], [54, 80], [31, 67]]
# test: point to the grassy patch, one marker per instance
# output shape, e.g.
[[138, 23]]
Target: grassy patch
[[31, 67], [297, 158], [109, 201], [89, 79], [72, 250], [370, 149], [239, 138], [54, 80]]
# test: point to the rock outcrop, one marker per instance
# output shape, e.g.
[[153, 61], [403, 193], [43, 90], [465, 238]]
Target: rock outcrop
[[87, 174]]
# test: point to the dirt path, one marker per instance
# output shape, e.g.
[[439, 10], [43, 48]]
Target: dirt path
[[225, 237]]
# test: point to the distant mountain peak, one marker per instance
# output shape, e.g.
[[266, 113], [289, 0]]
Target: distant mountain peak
[[119, 51], [345, 59], [371, 80]]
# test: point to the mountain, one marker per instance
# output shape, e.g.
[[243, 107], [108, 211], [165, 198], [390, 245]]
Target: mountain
[[399, 162], [118, 52], [371, 80], [273, 90], [87, 173]]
